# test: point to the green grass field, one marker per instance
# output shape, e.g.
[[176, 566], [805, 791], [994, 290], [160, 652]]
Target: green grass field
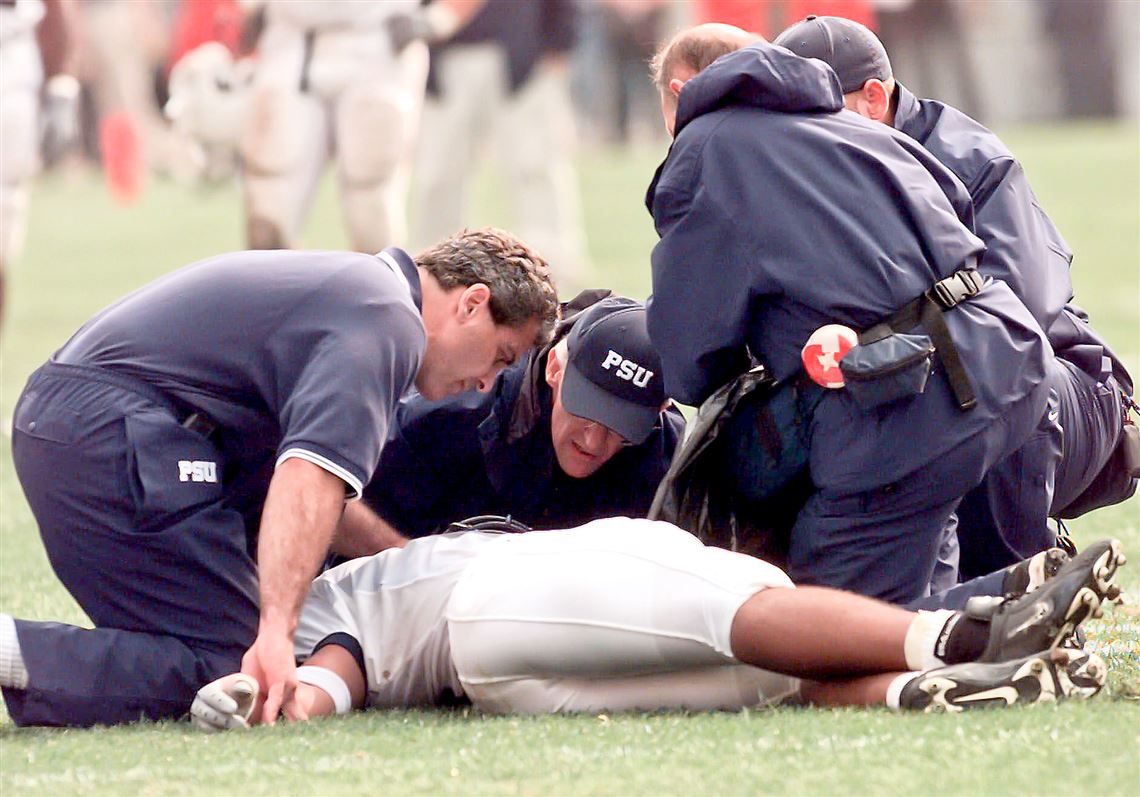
[[83, 252]]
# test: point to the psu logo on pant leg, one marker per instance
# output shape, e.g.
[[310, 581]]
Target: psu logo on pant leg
[[197, 471]]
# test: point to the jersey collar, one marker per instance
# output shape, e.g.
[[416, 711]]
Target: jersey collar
[[405, 270]]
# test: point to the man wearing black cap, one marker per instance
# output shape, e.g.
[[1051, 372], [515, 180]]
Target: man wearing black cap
[[575, 431], [781, 216], [1025, 250]]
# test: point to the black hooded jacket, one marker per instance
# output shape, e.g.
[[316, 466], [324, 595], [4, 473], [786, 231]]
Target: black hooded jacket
[[780, 212]]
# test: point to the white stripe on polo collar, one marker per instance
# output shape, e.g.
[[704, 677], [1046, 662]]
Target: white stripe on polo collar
[[399, 272]]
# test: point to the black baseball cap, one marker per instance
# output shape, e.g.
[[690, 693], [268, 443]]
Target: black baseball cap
[[853, 51], [613, 373]]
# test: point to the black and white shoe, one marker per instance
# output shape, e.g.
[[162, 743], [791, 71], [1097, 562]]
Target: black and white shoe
[[1032, 573], [1045, 618], [1039, 678]]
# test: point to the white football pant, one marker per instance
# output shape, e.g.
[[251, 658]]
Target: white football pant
[[617, 615]]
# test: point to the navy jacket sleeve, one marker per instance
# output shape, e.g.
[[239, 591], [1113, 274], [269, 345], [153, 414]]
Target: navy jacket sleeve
[[702, 281], [430, 466], [1020, 239]]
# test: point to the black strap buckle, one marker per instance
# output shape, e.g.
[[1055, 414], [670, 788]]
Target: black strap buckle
[[199, 424], [956, 288]]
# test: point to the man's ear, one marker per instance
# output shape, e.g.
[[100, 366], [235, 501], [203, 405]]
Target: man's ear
[[873, 100], [553, 369], [471, 300], [675, 86]]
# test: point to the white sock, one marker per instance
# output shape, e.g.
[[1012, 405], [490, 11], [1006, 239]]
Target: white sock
[[894, 691], [12, 671], [922, 638]]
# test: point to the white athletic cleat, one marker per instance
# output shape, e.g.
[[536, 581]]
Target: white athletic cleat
[[1039, 678], [225, 704]]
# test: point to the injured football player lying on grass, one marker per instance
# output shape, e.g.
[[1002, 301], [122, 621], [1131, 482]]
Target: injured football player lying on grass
[[625, 614]]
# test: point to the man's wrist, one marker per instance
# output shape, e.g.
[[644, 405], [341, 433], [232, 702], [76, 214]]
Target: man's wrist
[[276, 623]]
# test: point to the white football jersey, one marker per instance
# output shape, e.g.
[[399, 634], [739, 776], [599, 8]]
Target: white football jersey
[[394, 604], [20, 19]]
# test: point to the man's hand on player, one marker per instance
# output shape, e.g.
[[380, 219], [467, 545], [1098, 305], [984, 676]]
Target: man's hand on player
[[271, 662]]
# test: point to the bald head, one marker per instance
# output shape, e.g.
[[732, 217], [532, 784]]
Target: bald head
[[689, 53], [693, 49]]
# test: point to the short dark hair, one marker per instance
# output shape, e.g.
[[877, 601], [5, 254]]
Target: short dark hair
[[519, 278], [696, 47]]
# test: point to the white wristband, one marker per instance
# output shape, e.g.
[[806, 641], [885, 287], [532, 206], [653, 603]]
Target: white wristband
[[331, 683]]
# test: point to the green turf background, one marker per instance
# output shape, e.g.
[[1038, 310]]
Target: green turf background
[[83, 252]]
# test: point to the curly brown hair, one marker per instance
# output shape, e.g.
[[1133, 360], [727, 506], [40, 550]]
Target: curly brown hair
[[519, 278]]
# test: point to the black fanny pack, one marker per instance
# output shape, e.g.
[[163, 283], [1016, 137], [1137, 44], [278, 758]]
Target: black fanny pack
[[889, 364], [888, 369], [1117, 480]]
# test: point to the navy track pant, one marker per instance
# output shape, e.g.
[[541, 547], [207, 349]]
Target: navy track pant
[[897, 543], [144, 541], [1004, 519]]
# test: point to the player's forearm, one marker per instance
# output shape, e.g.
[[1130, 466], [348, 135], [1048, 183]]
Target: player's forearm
[[347, 677], [362, 533], [302, 510]]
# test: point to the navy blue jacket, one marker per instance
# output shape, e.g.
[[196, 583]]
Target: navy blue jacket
[[491, 453], [1023, 247], [778, 213]]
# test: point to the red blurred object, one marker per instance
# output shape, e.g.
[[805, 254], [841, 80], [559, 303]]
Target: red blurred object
[[770, 17], [823, 351], [201, 21], [122, 156], [861, 11]]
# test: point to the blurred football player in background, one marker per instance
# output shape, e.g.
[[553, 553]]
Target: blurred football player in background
[[343, 80], [502, 81], [39, 95]]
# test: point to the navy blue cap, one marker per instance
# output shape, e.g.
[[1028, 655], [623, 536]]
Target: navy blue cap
[[613, 373], [852, 50]]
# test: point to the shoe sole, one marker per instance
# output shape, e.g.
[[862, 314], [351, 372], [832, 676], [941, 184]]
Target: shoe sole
[[1099, 585], [1043, 678], [1089, 600]]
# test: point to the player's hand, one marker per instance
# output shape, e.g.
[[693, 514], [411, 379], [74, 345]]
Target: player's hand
[[225, 704], [270, 661], [403, 29]]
